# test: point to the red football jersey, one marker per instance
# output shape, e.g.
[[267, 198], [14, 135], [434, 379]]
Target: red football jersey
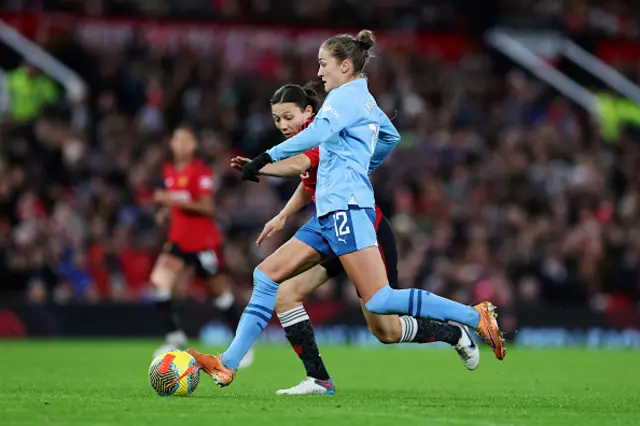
[[191, 232], [310, 177]]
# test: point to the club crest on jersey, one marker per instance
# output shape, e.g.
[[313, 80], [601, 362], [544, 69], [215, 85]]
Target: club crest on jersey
[[183, 181], [168, 182]]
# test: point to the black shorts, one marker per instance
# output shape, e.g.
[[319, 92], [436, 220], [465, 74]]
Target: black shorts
[[388, 250], [207, 263]]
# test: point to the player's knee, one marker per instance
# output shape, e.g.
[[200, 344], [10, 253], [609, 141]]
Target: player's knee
[[379, 303], [273, 270], [162, 278]]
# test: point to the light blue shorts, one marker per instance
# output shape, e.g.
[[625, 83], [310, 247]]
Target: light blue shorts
[[340, 232]]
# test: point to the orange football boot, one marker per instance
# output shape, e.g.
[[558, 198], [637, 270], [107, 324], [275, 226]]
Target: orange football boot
[[212, 365], [488, 328]]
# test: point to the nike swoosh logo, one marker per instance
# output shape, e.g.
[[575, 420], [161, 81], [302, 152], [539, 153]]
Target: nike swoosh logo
[[466, 331], [493, 343], [190, 370], [326, 385]]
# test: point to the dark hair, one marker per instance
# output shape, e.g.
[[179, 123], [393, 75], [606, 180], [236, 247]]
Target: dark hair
[[189, 128], [346, 46], [311, 93]]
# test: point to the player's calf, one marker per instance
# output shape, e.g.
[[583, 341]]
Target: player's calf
[[387, 328], [421, 330], [228, 306], [289, 297], [391, 329], [299, 332], [405, 329], [162, 279], [254, 319]]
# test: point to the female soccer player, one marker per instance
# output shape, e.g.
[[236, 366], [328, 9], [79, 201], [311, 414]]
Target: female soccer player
[[293, 108], [194, 238], [348, 128]]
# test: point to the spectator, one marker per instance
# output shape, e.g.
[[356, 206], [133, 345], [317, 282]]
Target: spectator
[[499, 189], [28, 92]]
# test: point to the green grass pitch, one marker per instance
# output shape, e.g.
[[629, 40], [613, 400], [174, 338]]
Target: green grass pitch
[[105, 383]]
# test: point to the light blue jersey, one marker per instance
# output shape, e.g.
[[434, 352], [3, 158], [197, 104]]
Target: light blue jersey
[[388, 138], [348, 128]]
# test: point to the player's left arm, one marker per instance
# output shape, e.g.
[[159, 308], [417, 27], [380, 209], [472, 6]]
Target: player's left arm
[[335, 115], [202, 206], [388, 138], [290, 167]]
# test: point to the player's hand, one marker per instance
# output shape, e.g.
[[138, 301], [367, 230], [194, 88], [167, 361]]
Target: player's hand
[[274, 225], [161, 197], [251, 171], [239, 162]]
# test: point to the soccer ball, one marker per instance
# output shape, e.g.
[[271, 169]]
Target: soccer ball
[[174, 373]]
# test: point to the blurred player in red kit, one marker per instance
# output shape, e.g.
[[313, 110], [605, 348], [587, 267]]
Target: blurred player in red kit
[[194, 240]]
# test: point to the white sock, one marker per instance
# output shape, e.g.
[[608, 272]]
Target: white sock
[[161, 294], [294, 316], [409, 327], [224, 301], [177, 338]]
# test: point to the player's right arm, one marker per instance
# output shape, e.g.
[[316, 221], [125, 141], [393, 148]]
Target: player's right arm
[[337, 113], [293, 166], [298, 200]]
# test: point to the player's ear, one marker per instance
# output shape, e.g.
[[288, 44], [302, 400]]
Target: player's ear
[[308, 111], [346, 66]]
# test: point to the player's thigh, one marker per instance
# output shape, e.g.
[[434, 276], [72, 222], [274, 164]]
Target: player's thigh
[[294, 290], [366, 271], [385, 327], [292, 258], [388, 250], [351, 235], [169, 265]]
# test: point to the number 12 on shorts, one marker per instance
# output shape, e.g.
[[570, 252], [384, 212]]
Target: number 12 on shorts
[[340, 223]]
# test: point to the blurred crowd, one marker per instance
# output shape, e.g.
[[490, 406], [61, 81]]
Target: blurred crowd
[[606, 17], [499, 190]]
